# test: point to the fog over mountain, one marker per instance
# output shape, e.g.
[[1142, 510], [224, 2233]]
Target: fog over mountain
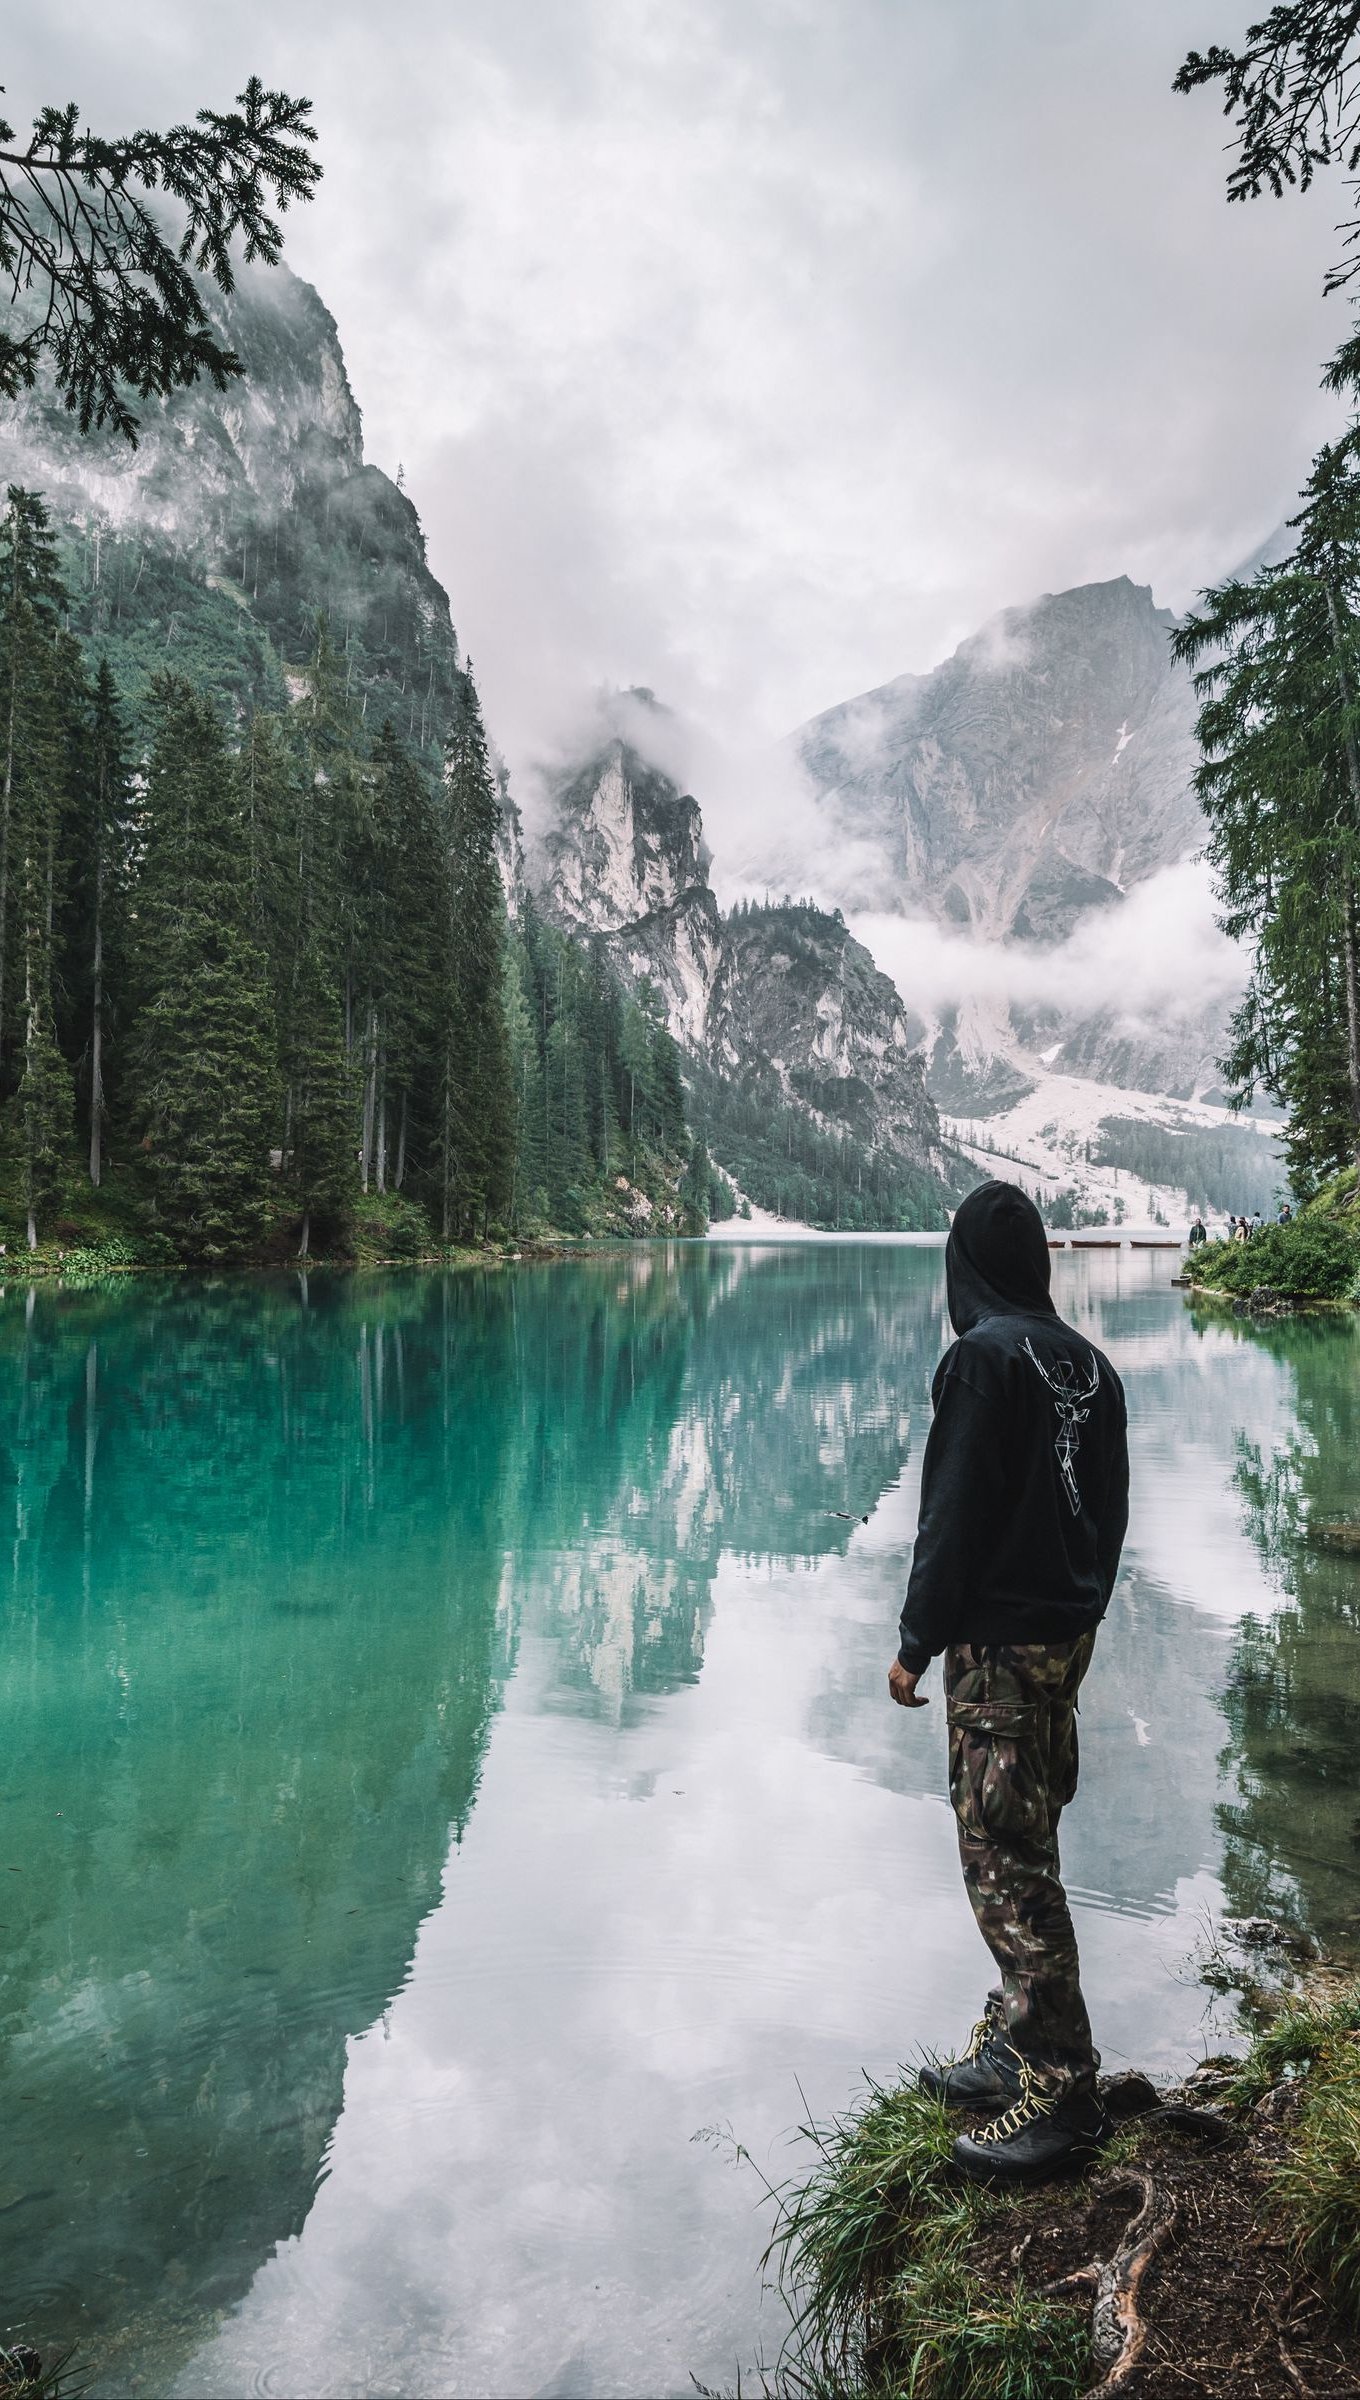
[[757, 352], [1015, 836]]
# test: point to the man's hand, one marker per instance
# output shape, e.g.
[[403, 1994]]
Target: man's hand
[[902, 1685]]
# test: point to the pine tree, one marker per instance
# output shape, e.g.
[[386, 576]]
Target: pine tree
[[43, 689], [476, 1128], [405, 950], [1279, 728], [32, 729], [319, 1164], [95, 891], [203, 1043], [695, 1188], [45, 1101], [528, 1195]]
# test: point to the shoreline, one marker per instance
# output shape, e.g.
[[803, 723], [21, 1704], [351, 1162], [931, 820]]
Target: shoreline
[[83, 1266], [1213, 2246]]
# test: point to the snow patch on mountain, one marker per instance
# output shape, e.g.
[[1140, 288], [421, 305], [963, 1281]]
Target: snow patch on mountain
[[1044, 1140]]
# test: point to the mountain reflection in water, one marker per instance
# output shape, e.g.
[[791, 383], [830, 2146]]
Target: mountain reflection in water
[[448, 1767]]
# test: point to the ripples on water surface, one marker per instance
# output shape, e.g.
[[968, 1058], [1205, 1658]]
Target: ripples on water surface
[[448, 1770]]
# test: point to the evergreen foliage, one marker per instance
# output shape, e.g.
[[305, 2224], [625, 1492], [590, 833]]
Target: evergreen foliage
[[41, 693], [1225, 1167], [264, 982], [785, 1161], [1293, 92], [476, 1111], [107, 299], [1279, 686], [598, 1095], [204, 1060]]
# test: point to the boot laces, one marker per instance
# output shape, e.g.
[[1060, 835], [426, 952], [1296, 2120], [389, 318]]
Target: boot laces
[[1031, 2104], [977, 2042]]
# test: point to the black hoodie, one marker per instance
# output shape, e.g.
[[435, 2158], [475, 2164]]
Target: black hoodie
[[1025, 1487]]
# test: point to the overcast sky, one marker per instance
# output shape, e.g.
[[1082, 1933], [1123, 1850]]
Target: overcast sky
[[757, 350]]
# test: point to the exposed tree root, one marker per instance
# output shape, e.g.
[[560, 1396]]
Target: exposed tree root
[[1119, 2331], [1206, 2124], [1291, 2368]]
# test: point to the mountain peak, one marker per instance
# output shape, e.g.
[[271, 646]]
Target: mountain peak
[[1057, 742]]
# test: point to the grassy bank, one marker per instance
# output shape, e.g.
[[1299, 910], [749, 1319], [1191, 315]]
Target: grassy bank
[[1314, 1258], [1216, 2248], [96, 1234]]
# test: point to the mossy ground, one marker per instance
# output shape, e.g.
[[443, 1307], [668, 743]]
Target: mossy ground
[[88, 1234], [1314, 1259], [907, 2284]]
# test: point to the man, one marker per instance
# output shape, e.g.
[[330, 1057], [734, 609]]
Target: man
[[1199, 1231], [1024, 1503]]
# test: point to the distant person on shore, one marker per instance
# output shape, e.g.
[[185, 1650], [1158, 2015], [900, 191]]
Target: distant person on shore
[[1024, 1503], [1286, 1215], [1241, 1230], [1199, 1231], [1258, 1223]]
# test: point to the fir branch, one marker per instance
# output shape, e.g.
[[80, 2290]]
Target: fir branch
[[113, 301], [1294, 94]]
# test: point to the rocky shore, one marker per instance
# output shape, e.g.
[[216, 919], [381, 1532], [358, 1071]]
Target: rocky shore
[[1215, 2248]]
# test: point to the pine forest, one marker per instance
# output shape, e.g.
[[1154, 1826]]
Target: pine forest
[[260, 995]]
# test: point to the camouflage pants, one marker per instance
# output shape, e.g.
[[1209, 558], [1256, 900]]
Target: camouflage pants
[[1012, 1770]]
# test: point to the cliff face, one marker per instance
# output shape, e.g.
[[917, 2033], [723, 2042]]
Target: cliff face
[[241, 519], [1023, 787], [626, 859], [796, 994], [1038, 773], [781, 1001]]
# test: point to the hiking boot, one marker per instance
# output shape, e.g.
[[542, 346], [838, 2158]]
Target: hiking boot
[[1042, 2135], [988, 2070]]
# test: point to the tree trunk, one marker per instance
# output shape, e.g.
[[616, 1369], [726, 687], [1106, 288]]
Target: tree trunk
[[97, 1028], [28, 1045], [304, 1242], [1348, 951], [400, 1176], [370, 1094], [7, 805], [1348, 940], [382, 1127], [448, 1163]]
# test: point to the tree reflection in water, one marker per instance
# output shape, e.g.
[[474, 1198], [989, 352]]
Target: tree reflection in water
[[1292, 1823]]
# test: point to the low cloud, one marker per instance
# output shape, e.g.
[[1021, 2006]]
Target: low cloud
[[1157, 961]]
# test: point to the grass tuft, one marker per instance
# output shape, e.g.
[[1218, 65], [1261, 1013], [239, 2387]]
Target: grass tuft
[[1316, 2184], [870, 2252], [1302, 2032], [24, 2375]]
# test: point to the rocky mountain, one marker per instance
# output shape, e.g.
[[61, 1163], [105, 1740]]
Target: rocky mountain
[[1017, 796], [800, 1046], [626, 859], [242, 518], [1023, 788], [796, 995], [1034, 776]]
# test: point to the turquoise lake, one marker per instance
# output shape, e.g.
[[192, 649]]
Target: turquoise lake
[[450, 1798]]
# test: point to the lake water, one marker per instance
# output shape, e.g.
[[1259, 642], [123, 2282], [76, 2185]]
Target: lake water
[[449, 1796]]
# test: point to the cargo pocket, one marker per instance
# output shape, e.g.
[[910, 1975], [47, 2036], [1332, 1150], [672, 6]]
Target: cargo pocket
[[1009, 1720], [994, 1778]]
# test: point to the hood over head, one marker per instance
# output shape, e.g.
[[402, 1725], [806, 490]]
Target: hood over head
[[996, 1260]]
